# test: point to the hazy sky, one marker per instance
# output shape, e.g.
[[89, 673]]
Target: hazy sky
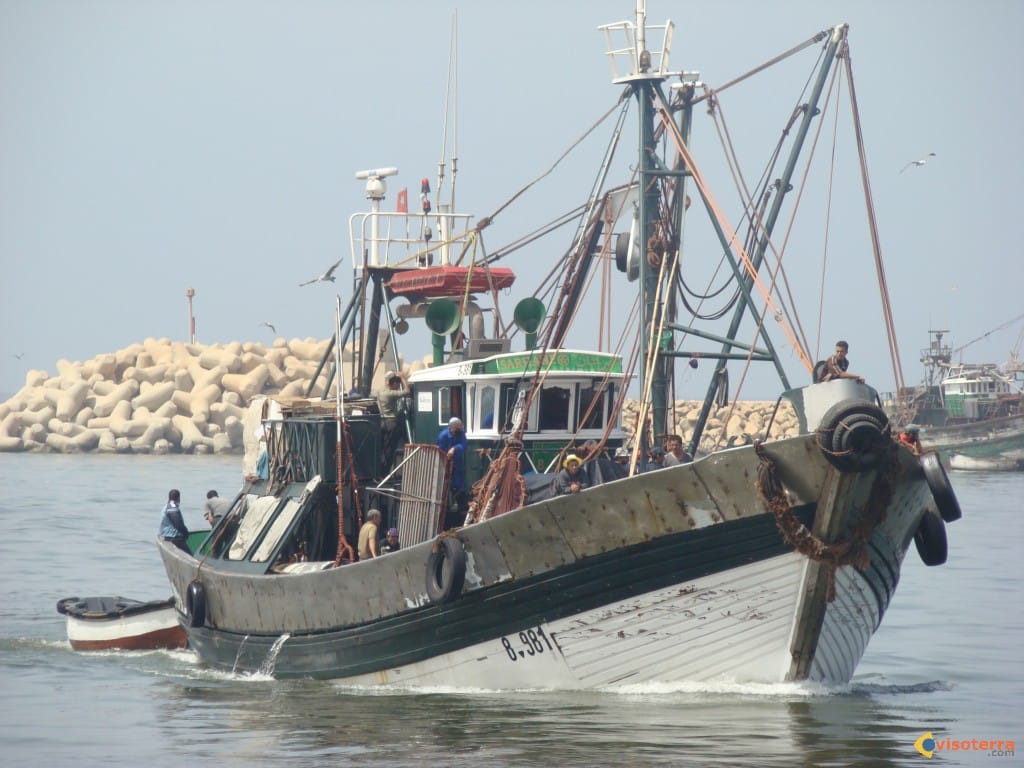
[[146, 147]]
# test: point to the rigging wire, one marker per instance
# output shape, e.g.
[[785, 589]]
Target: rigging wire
[[771, 62], [828, 227], [719, 215], [486, 220], [985, 335], [894, 352]]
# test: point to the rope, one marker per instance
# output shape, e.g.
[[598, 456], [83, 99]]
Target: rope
[[853, 549], [344, 449], [876, 247], [501, 490]]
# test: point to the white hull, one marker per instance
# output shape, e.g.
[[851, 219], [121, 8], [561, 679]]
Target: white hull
[[741, 627], [139, 631]]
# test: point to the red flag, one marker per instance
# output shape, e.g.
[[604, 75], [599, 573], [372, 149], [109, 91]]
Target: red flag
[[403, 201]]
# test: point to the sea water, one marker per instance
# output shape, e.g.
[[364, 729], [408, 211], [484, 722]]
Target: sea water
[[947, 661]]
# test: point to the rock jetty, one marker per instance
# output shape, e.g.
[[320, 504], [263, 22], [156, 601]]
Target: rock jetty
[[734, 424], [160, 396]]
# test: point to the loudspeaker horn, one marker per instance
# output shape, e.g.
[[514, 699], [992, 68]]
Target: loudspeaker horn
[[442, 316], [528, 315]]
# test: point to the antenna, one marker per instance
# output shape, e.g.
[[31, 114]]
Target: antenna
[[376, 173], [375, 191], [451, 91]]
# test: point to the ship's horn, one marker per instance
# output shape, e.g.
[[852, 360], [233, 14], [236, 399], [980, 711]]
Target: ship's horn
[[528, 315], [442, 318]]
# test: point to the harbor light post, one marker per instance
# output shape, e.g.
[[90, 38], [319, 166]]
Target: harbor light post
[[189, 293]]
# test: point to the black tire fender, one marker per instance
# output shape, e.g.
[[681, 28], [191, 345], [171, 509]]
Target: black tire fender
[[854, 435], [942, 490], [818, 372], [930, 539], [195, 603], [446, 570]]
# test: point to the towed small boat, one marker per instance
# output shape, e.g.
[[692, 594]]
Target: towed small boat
[[120, 623], [998, 463]]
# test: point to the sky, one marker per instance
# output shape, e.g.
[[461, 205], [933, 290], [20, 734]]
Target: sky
[[150, 147]]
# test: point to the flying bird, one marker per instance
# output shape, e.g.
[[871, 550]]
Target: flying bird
[[269, 325], [325, 277], [18, 356], [920, 162]]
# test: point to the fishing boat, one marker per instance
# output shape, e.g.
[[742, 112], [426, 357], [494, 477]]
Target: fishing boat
[[766, 562], [121, 623], [971, 413]]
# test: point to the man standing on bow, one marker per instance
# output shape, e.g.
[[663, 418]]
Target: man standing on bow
[[836, 366]]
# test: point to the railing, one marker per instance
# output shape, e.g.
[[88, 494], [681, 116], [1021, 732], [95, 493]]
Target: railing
[[628, 56], [399, 239]]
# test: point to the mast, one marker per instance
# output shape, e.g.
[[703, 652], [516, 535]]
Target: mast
[[645, 84], [783, 185]]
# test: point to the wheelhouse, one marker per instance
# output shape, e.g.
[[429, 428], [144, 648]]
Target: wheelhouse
[[575, 402]]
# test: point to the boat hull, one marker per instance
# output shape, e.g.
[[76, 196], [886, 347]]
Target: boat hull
[[998, 463], [679, 574], [989, 439], [117, 623]]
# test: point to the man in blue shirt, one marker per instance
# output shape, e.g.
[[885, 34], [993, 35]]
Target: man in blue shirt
[[172, 525], [452, 441]]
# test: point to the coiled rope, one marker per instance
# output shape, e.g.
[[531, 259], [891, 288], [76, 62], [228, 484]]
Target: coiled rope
[[851, 549]]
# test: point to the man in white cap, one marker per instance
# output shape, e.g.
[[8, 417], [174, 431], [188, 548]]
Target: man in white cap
[[452, 441], [389, 402]]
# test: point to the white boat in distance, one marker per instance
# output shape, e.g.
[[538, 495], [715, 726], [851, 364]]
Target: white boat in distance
[[768, 562]]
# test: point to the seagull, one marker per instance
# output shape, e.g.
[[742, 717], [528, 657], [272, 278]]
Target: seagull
[[920, 162], [18, 356], [269, 325], [326, 276]]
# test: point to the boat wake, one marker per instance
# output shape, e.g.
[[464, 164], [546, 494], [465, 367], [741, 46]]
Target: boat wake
[[881, 689], [787, 690]]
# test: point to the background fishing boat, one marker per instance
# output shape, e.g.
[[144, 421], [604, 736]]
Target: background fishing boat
[[972, 413]]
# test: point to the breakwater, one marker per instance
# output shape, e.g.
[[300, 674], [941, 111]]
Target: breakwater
[[161, 396]]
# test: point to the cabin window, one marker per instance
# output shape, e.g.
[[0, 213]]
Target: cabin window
[[554, 408], [488, 395], [449, 401], [513, 398], [590, 412]]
